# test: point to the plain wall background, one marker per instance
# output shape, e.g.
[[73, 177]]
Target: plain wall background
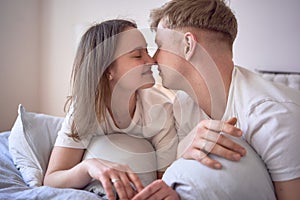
[[39, 38]]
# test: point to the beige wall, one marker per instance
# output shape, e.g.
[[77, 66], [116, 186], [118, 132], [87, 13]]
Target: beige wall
[[61, 21], [38, 41], [268, 36], [19, 58]]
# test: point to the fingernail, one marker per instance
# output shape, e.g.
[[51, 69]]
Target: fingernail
[[240, 133], [242, 151], [218, 166], [236, 156]]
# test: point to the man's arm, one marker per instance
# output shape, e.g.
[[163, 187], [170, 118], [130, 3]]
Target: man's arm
[[206, 138], [288, 189], [275, 137], [157, 190]]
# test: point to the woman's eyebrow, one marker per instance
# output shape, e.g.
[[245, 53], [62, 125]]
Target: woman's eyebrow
[[138, 48]]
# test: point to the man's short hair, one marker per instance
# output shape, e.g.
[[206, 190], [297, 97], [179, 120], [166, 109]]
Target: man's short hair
[[213, 15]]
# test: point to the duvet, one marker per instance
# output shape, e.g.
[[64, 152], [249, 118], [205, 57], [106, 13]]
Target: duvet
[[12, 186]]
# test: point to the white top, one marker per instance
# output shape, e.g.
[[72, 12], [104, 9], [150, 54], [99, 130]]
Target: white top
[[152, 120], [267, 113]]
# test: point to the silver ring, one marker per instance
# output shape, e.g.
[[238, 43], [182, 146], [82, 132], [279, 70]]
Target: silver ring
[[204, 146], [114, 180]]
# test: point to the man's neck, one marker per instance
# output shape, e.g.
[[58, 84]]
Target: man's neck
[[211, 92]]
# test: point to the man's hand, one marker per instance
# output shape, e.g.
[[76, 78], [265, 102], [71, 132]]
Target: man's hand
[[157, 190], [207, 137]]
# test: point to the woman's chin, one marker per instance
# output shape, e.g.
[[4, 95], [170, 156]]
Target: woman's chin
[[148, 85]]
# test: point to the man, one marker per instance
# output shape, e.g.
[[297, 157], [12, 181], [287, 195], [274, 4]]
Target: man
[[195, 39]]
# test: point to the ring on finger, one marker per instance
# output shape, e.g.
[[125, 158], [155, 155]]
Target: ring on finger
[[204, 146], [114, 180]]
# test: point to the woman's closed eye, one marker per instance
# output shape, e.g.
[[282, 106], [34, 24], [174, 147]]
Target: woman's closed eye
[[136, 54], [140, 53]]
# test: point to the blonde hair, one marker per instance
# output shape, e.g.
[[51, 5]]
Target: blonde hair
[[89, 82], [213, 15]]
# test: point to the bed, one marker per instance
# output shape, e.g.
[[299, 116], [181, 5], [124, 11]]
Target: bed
[[13, 186]]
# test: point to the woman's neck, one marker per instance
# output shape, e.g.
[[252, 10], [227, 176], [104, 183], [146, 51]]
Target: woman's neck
[[121, 108]]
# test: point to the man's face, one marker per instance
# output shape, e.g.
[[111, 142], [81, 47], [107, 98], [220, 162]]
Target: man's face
[[196, 74], [169, 57]]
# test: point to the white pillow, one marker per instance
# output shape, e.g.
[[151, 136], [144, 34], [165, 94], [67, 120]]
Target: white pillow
[[137, 153], [33, 136], [30, 144]]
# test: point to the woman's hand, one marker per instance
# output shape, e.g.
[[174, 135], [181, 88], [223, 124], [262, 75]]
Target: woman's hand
[[114, 175], [206, 138], [157, 190]]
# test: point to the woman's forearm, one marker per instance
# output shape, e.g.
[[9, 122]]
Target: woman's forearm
[[76, 177]]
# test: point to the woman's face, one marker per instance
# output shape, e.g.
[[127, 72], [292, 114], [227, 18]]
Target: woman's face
[[131, 69]]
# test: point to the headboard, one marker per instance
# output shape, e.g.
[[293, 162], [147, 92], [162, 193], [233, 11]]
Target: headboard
[[290, 79]]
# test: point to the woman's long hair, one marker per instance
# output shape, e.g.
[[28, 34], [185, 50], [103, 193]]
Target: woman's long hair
[[89, 82]]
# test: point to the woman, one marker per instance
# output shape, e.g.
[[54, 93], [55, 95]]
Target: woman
[[111, 68], [113, 91]]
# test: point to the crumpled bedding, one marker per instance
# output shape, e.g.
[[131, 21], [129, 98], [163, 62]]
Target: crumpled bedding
[[13, 187]]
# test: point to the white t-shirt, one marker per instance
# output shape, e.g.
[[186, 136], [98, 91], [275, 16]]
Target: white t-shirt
[[268, 114], [152, 120], [245, 179]]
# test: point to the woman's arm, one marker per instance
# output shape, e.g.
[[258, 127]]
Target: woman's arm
[[66, 170], [64, 166]]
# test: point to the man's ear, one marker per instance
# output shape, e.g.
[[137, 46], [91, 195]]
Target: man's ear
[[189, 45]]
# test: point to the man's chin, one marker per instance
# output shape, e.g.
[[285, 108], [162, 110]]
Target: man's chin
[[165, 84]]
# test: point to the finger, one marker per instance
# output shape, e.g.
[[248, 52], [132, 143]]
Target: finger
[[231, 145], [120, 189], [231, 130], [225, 153], [164, 192], [147, 192], [136, 181], [128, 188], [200, 156], [211, 139], [220, 126], [107, 185], [161, 193], [214, 125], [232, 121], [204, 145]]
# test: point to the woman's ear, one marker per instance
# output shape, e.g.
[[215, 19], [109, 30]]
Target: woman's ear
[[109, 74], [189, 45]]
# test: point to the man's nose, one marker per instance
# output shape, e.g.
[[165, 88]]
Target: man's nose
[[154, 57]]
